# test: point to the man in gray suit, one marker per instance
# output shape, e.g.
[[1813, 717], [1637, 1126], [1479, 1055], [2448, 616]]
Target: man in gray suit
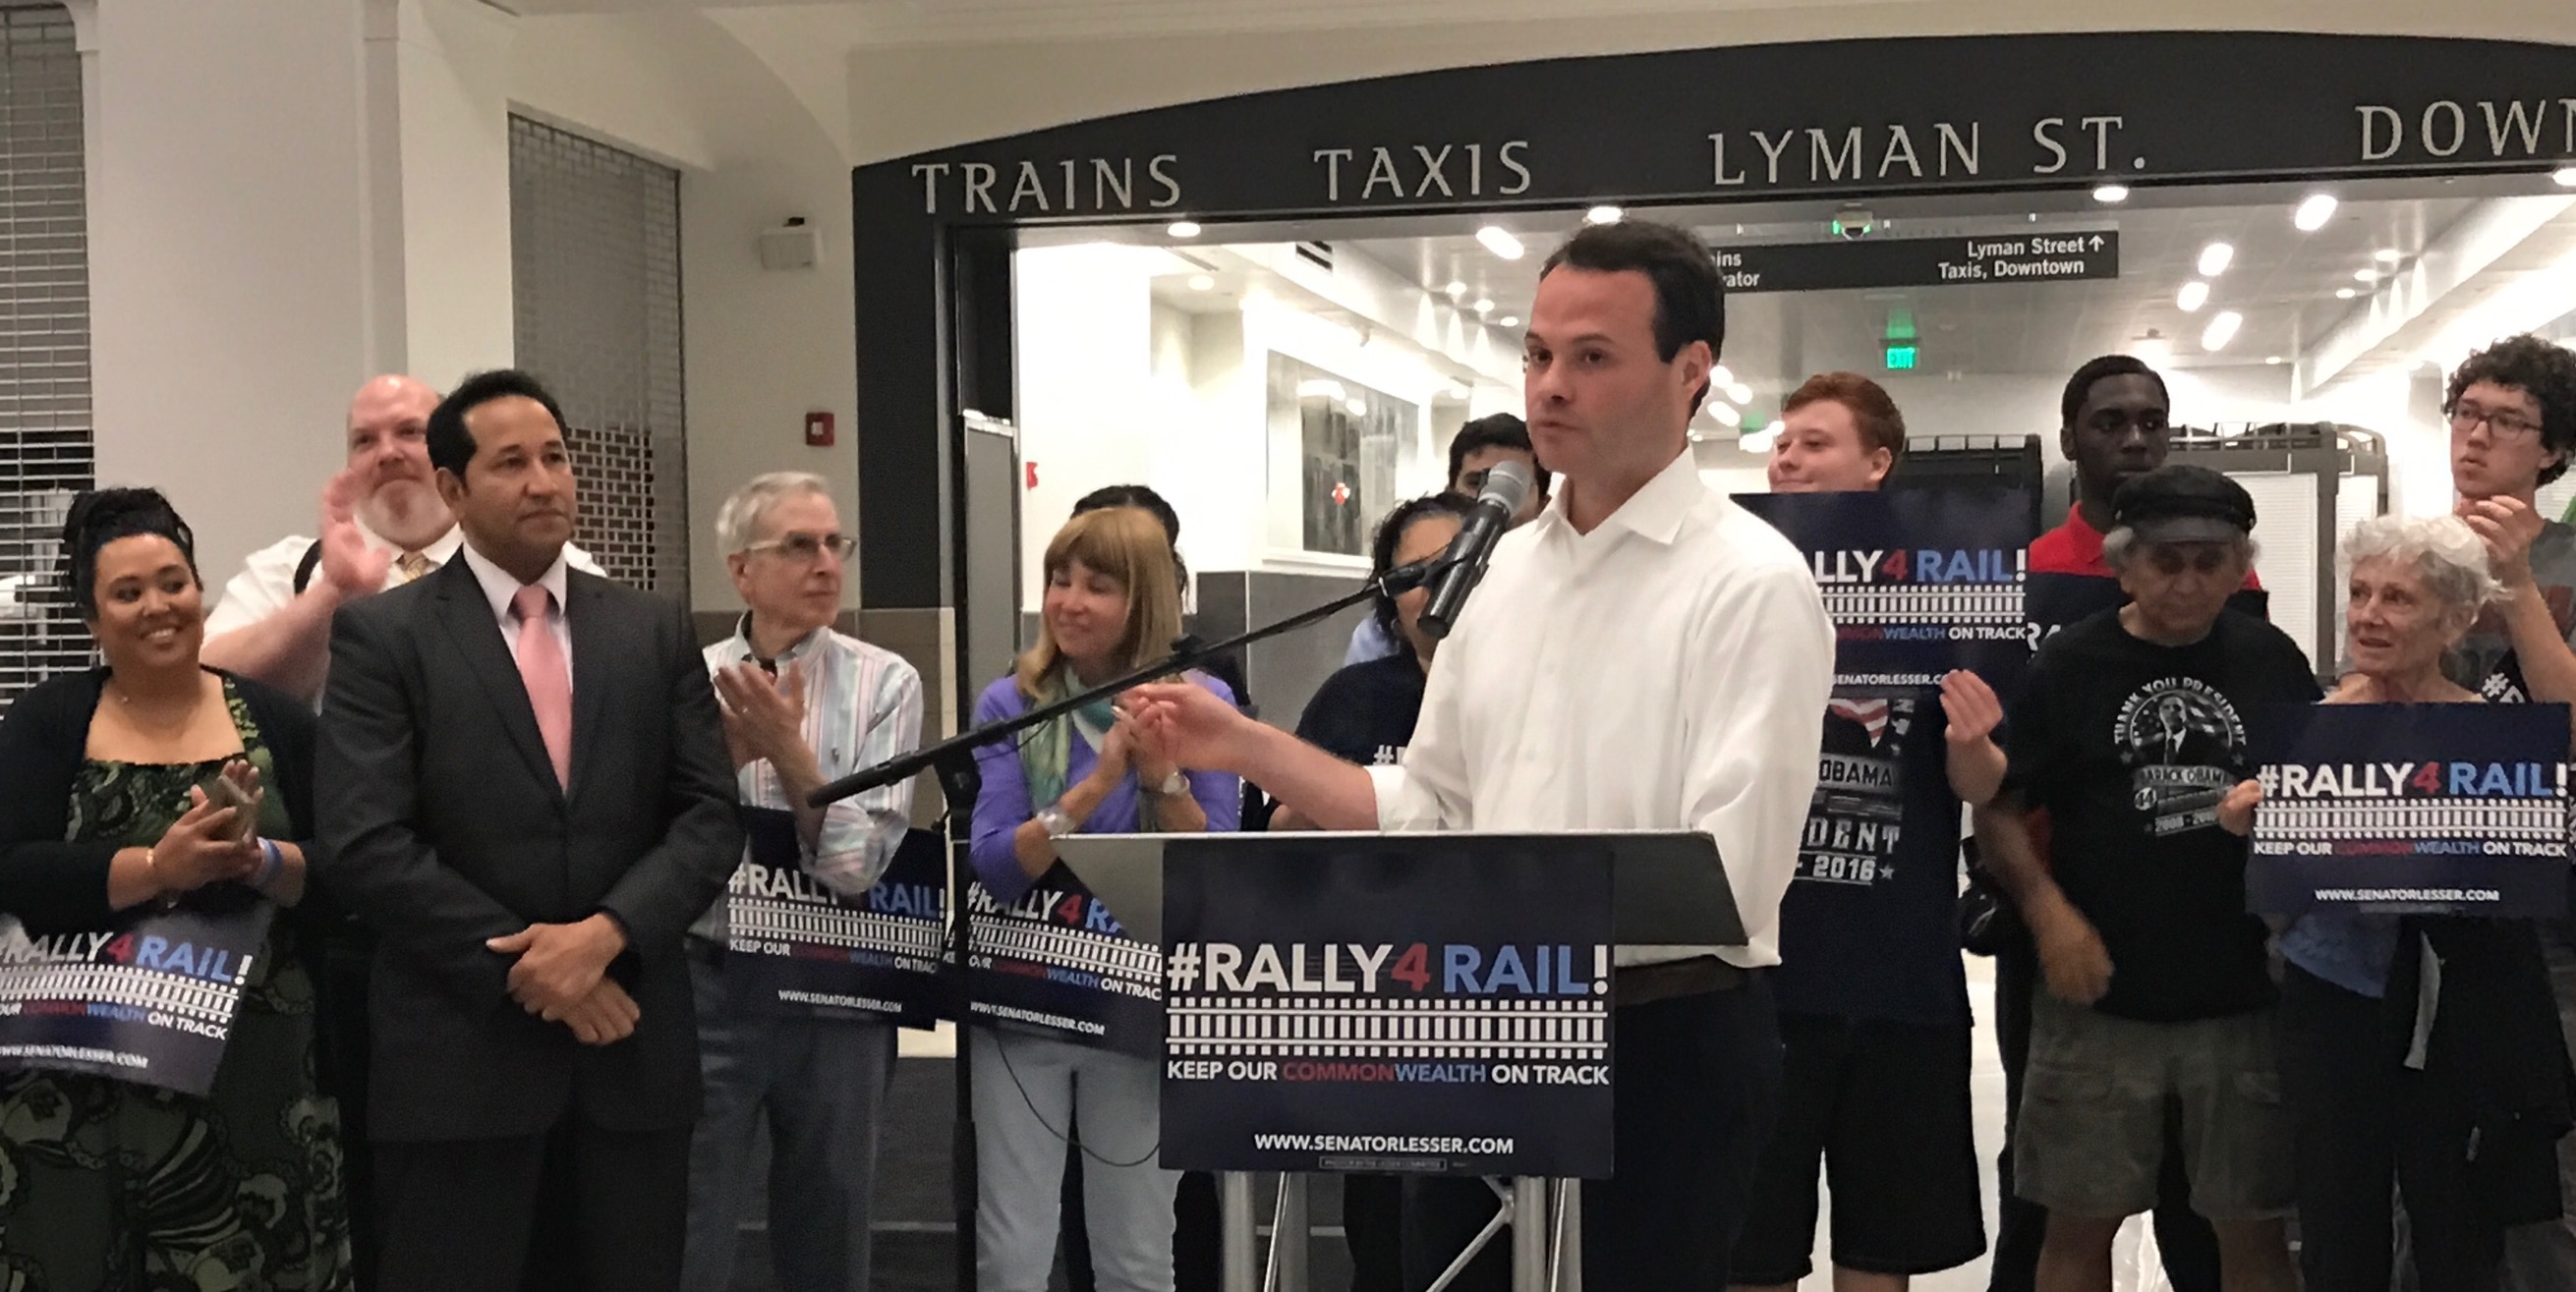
[[525, 788]]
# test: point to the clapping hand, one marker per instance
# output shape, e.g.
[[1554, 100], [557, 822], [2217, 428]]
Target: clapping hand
[[1971, 706], [2507, 526], [764, 717], [202, 847], [349, 565], [1178, 724]]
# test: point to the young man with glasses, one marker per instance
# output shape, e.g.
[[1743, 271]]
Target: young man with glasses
[[803, 704], [2512, 410]]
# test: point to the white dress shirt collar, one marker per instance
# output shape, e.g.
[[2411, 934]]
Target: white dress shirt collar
[[1655, 512], [501, 587]]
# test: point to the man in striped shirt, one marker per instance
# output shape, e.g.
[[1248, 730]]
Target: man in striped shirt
[[803, 705]]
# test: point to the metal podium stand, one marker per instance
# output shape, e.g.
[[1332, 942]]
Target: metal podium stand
[[1668, 888]]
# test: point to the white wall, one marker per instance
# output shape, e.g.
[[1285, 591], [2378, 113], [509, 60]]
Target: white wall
[[230, 272], [454, 177]]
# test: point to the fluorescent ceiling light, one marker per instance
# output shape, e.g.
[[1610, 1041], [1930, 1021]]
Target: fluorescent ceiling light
[[2345, 293], [1202, 283], [2388, 255], [2365, 275], [1455, 289], [1508, 320], [1739, 392], [1485, 305], [2272, 359], [2111, 193], [2221, 330], [1721, 376], [1358, 407], [1499, 242], [1603, 215], [1183, 229], [2314, 212], [1726, 414], [1753, 441], [2215, 258], [2193, 295]]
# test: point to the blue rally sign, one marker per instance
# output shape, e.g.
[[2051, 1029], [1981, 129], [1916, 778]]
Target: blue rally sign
[[2438, 808], [151, 1001], [1375, 1006], [796, 947], [1918, 582], [1057, 962]]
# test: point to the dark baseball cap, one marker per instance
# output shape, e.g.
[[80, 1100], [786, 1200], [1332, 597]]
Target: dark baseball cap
[[2183, 504]]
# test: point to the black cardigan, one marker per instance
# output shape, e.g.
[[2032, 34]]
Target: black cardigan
[[54, 885]]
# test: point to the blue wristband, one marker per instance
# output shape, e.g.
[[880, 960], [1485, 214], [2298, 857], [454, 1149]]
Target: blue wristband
[[272, 864]]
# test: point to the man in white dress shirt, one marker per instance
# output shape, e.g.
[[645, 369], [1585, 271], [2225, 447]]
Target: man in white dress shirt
[[1644, 655], [382, 526]]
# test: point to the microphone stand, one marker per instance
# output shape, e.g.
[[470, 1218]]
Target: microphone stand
[[952, 761]]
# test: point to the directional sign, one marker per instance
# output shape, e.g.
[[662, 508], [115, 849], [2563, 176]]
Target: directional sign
[[1921, 262]]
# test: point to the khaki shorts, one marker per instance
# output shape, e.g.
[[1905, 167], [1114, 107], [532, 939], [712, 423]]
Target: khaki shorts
[[2091, 1136]]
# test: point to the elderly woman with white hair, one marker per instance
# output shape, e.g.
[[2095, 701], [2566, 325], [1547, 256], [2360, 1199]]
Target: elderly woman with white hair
[[2374, 1099]]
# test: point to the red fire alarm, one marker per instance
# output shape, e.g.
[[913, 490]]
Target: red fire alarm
[[818, 430]]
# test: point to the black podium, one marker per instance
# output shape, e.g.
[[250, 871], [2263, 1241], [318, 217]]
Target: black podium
[[1435, 1003]]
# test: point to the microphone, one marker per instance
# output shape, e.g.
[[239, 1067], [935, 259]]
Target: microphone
[[1463, 565]]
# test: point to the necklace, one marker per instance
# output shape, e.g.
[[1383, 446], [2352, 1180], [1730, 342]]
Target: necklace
[[146, 718]]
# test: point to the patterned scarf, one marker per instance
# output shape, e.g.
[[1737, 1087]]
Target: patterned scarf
[[1047, 752]]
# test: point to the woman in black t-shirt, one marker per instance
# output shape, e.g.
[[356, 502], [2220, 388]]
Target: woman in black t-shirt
[[1365, 713]]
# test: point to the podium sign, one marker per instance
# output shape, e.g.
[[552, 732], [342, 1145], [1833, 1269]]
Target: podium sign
[[1388, 1004], [1918, 582], [2448, 808], [796, 947]]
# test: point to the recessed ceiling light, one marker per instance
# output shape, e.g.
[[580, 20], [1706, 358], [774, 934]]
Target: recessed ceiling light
[[2111, 193], [1500, 242], [2193, 295], [1455, 289], [2221, 330], [1183, 229], [1753, 441], [1727, 414], [2314, 212], [2365, 275], [2566, 176], [1603, 215], [1739, 392], [2388, 255], [2215, 258], [2273, 360], [1485, 305], [2345, 293], [1202, 283], [1721, 376], [1508, 320]]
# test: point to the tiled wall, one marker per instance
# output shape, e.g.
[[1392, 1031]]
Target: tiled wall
[[595, 265], [45, 446]]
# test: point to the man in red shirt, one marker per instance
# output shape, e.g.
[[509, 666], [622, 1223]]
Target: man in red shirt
[[2115, 426]]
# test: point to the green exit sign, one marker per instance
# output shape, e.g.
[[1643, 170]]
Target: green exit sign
[[1900, 357]]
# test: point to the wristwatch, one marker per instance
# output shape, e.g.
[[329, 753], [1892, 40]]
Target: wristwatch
[[1054, 821], [1174, 785]]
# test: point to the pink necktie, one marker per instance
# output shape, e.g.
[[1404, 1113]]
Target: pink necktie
[[548, 677]]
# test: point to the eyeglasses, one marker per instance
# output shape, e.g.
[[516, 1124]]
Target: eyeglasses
[[2504, 423], [808, 547], [2170, 561]]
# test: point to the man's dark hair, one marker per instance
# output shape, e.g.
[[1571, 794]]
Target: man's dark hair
[[451, 446], [2080, 386], [1390, 536], [1690, 294], [2542, 369], [1143, 498], [1499, 431], [99, 517]]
